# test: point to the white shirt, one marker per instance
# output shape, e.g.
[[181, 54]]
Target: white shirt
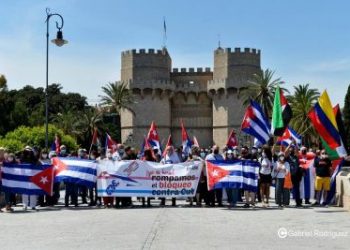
[[266, 166], [173, 158], [282, 172]]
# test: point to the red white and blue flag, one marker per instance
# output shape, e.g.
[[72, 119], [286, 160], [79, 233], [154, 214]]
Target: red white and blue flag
[[241, 174], [110, 143], [232, 140], [186, 141], [74, 170], [169, 143], [153, 138], [287, 138], [27, 179], [255, 123]]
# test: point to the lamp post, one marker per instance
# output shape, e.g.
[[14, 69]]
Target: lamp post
[[59, 41]]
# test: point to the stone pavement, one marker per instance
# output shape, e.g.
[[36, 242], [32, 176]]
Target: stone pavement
[[181, 227]]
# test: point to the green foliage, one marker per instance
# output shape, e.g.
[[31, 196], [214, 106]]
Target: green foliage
[[346, 115], [301, 103], [117, 97], [262, 89], [35, 136]]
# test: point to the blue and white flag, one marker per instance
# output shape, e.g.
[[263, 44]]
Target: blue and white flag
[[74, 170], [255, 123], [241, 174], [17, 178]]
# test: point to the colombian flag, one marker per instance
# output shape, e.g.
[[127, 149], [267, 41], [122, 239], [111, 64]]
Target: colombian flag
[[324, 120]]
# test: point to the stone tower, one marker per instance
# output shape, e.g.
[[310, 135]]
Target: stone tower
[[232, 71], [207, 101], [148, 76]]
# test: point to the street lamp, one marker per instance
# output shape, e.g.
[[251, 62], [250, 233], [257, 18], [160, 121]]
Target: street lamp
[[59, 41]]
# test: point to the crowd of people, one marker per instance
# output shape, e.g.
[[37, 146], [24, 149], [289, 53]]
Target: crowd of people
[[280, 168]]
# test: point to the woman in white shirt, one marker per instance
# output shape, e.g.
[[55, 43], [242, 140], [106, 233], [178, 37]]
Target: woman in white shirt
[[280, 170], [265, 178]]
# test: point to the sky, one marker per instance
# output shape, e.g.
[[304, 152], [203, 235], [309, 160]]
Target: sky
[[302, 41]]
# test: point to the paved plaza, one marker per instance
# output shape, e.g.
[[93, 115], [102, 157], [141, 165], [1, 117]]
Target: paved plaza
[[182, 227]]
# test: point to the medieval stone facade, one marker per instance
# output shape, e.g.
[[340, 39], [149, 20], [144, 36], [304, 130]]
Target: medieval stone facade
[[206, 100]]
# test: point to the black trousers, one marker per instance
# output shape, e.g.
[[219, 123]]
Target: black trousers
[[216, 193], [296, 190]]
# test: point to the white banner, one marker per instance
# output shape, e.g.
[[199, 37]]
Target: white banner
[[147, 179]]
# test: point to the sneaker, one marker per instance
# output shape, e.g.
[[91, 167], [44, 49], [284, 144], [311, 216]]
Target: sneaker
[[246, 205]]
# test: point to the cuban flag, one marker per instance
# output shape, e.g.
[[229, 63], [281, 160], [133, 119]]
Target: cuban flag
[[195, 141], [186, 141], [255, 123], [74, 170], [27, 179], [288, 136], [241, 174], [110, 143], [153, 137]]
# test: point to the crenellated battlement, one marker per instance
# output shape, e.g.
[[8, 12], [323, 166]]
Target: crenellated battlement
[[192, 70], [145, 52], [238, 51]]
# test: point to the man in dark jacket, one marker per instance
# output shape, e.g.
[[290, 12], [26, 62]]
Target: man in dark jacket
[[296, 173]]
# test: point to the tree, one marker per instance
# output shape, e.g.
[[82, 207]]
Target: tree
[[346, 115], [34, 136], [117, 97], [301, 103], [262, 89], [3, 83]]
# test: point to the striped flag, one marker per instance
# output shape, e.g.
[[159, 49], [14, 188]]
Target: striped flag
[[234, 174], [186, 141], [324, 121], [75, 170], [288, 136], [255, 123], [27, 179], [281, 113]]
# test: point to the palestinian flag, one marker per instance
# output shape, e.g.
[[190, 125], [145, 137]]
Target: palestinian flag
[[281, 113]]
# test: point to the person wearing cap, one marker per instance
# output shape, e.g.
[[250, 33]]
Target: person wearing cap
[[280, 170], [63, 151], [215, 156]]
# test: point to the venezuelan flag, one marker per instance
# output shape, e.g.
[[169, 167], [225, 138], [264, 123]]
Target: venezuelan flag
[[323, 118]]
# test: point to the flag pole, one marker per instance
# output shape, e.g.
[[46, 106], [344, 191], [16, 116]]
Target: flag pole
[[164, 33]]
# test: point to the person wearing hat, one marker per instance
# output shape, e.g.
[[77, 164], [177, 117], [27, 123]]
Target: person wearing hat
[[63, 151]]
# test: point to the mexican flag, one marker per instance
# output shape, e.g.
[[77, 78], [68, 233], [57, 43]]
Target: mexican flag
[[281, 113]]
